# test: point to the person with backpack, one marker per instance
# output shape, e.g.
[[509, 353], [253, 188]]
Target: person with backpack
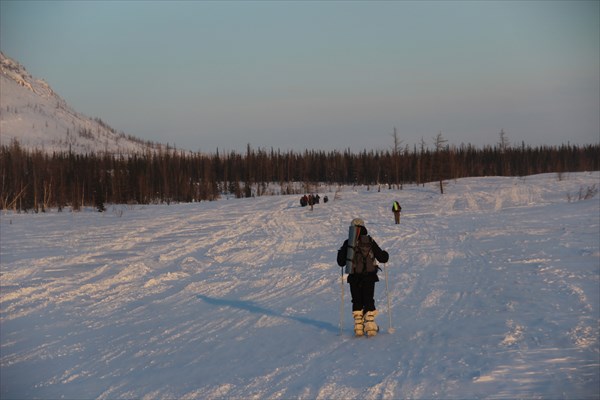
[[304, 201], [362, 278], [396, 208]]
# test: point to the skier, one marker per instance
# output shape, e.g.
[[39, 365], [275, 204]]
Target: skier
[[362, 278], [396, 208]]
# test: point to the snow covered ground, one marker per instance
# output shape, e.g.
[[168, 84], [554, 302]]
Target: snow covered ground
[[494, 290]]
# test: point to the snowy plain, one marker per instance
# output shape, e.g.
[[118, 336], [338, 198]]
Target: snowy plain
[[494, 291]]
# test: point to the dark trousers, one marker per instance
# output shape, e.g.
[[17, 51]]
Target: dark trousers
[[397, 216], [363, 293]]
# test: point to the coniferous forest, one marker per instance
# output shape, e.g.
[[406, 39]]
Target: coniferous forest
[[32, 180]]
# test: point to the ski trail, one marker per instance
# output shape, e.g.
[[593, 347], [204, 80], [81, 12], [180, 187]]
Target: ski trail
[[443, 278], [491, 297]]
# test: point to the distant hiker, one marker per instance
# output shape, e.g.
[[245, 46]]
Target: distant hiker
[[311, 201], [362, 276], [396, 210], [304, 201], [325, 199]]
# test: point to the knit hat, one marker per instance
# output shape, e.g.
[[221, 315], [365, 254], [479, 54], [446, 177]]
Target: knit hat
[[357, 222], [361, 223]]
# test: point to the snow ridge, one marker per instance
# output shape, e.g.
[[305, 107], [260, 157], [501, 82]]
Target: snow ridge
[[17, 72]]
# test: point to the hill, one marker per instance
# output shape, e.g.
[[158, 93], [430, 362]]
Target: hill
[[38, 118]]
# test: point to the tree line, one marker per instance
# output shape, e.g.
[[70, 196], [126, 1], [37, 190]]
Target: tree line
[[32, 180]]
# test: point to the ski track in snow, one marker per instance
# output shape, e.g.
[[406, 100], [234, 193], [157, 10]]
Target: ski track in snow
[[493, 287]]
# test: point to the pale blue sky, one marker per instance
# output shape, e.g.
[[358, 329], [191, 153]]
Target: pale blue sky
[[319, 75]]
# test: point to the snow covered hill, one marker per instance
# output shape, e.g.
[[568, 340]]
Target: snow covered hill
[[32, 113], [494, 290]]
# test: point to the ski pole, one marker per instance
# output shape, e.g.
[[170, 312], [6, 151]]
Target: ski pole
[[342, 302], [387, 292]]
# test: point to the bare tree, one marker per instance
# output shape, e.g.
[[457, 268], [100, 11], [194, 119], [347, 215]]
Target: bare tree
[[504, 143], [439, 147], [439, 142], [396, 156]]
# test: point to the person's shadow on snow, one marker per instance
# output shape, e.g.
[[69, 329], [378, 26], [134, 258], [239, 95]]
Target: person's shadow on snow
[[250, 306]]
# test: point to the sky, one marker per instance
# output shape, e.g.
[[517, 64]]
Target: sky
[[329, 75]]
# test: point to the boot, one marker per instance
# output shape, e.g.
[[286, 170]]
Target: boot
[[370, 325], [358, 323]]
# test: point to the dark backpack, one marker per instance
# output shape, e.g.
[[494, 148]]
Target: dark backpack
[[364, 259]]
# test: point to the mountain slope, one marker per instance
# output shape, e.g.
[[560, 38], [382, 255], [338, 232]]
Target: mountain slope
[[32, 113]]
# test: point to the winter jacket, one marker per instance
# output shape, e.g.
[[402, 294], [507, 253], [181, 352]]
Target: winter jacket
[[380, 255]]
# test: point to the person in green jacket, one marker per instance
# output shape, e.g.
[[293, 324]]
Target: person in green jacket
[[396, 208]]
